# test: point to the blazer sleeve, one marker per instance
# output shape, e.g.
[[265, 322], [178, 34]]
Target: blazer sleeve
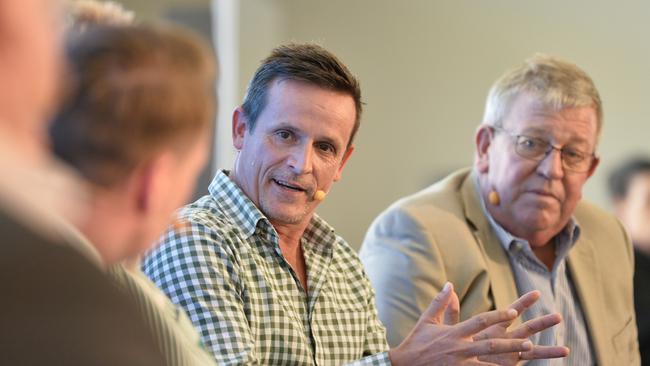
[[405, 268]]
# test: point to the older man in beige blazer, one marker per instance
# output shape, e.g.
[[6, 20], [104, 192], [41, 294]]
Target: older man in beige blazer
[[516, 222]]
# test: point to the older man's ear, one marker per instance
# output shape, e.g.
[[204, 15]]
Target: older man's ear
[[483, 139]]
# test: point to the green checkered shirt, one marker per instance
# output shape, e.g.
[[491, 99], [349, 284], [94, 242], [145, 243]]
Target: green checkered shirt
[[222, 263]]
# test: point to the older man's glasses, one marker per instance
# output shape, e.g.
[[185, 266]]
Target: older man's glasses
[[537, 149]]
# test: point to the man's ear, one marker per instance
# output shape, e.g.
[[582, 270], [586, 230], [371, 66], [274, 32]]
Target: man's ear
[[239, 127], [594, 165], [483, 140], [150, 180], [346, 156]]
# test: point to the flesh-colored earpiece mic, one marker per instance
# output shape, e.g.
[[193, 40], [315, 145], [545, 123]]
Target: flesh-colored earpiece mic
[[319, 195], [493, 198]]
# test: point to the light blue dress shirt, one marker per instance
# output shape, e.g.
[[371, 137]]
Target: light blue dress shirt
[[558, 292]]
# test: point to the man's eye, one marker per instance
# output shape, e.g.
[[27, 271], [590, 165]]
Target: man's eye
[[530, 143], [325, 147], [573, 155], [284, 134]]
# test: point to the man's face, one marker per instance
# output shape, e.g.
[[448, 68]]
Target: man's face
[[298, 146], [634, 209], [536, 196]]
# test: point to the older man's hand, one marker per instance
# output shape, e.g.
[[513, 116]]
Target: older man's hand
[[439, 339], [525, 330]]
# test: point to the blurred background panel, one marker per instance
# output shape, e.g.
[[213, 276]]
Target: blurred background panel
[[425, 68]]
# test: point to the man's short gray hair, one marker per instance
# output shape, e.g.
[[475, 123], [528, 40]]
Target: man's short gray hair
[[557, 83]]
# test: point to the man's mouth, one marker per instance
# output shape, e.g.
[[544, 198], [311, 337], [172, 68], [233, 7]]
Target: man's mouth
[[288, 185], [541, 192]]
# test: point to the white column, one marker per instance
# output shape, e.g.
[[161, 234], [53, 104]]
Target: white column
[[225, 27]]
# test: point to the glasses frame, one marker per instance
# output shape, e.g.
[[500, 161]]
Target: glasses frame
[[550, 147]]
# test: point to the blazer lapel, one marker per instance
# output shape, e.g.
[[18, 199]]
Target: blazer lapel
[[586, 273], [502, 282]]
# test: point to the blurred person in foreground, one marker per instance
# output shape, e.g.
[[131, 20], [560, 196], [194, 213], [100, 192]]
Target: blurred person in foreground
[[515, 222], [137, 127], [629, 190], [265, 279], [58, 307]]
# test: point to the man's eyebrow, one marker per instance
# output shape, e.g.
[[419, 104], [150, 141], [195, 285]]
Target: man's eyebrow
[[539, 133], [284, 126]]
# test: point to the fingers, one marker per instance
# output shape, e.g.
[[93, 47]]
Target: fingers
[[542, 352], [479, 363], [452, 312], [438, 305], [481, 321], [525, 301], [497, 346], [536, 325]]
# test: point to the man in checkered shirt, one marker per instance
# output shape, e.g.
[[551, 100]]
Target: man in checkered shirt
[[267, 281]]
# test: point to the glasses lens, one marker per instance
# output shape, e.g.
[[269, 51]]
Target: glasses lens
[[576, 160], [536, 149], [530, 147]]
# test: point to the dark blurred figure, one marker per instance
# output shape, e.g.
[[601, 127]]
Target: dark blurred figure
[[57, 307], [629, 189]]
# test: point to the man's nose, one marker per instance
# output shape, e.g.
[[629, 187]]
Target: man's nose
[[301, 159], [551, 165]]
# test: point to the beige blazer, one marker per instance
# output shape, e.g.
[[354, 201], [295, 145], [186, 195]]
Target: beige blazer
[[441, 234]]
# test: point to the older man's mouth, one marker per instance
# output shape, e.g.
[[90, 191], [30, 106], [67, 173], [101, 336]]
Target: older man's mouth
[[543, 193]]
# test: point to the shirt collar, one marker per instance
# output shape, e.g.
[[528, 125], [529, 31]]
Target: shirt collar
[[235, 203]]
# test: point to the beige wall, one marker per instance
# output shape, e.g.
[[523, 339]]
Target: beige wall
[[426, 65]]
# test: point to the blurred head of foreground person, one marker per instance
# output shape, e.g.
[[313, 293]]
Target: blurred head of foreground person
[[137, 127], [31, 64], [57, 307]]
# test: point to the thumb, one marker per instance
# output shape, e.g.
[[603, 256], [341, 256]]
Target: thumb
[[433, 313]]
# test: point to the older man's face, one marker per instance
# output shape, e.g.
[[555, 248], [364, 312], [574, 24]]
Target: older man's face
[[537, 196], [298, 146]]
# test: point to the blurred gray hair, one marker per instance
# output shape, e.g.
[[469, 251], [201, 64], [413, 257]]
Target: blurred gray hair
[[85, 13]]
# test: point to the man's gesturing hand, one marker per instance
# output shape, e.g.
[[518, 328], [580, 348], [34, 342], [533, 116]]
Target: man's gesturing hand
[[523, 331], [439, 339]]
